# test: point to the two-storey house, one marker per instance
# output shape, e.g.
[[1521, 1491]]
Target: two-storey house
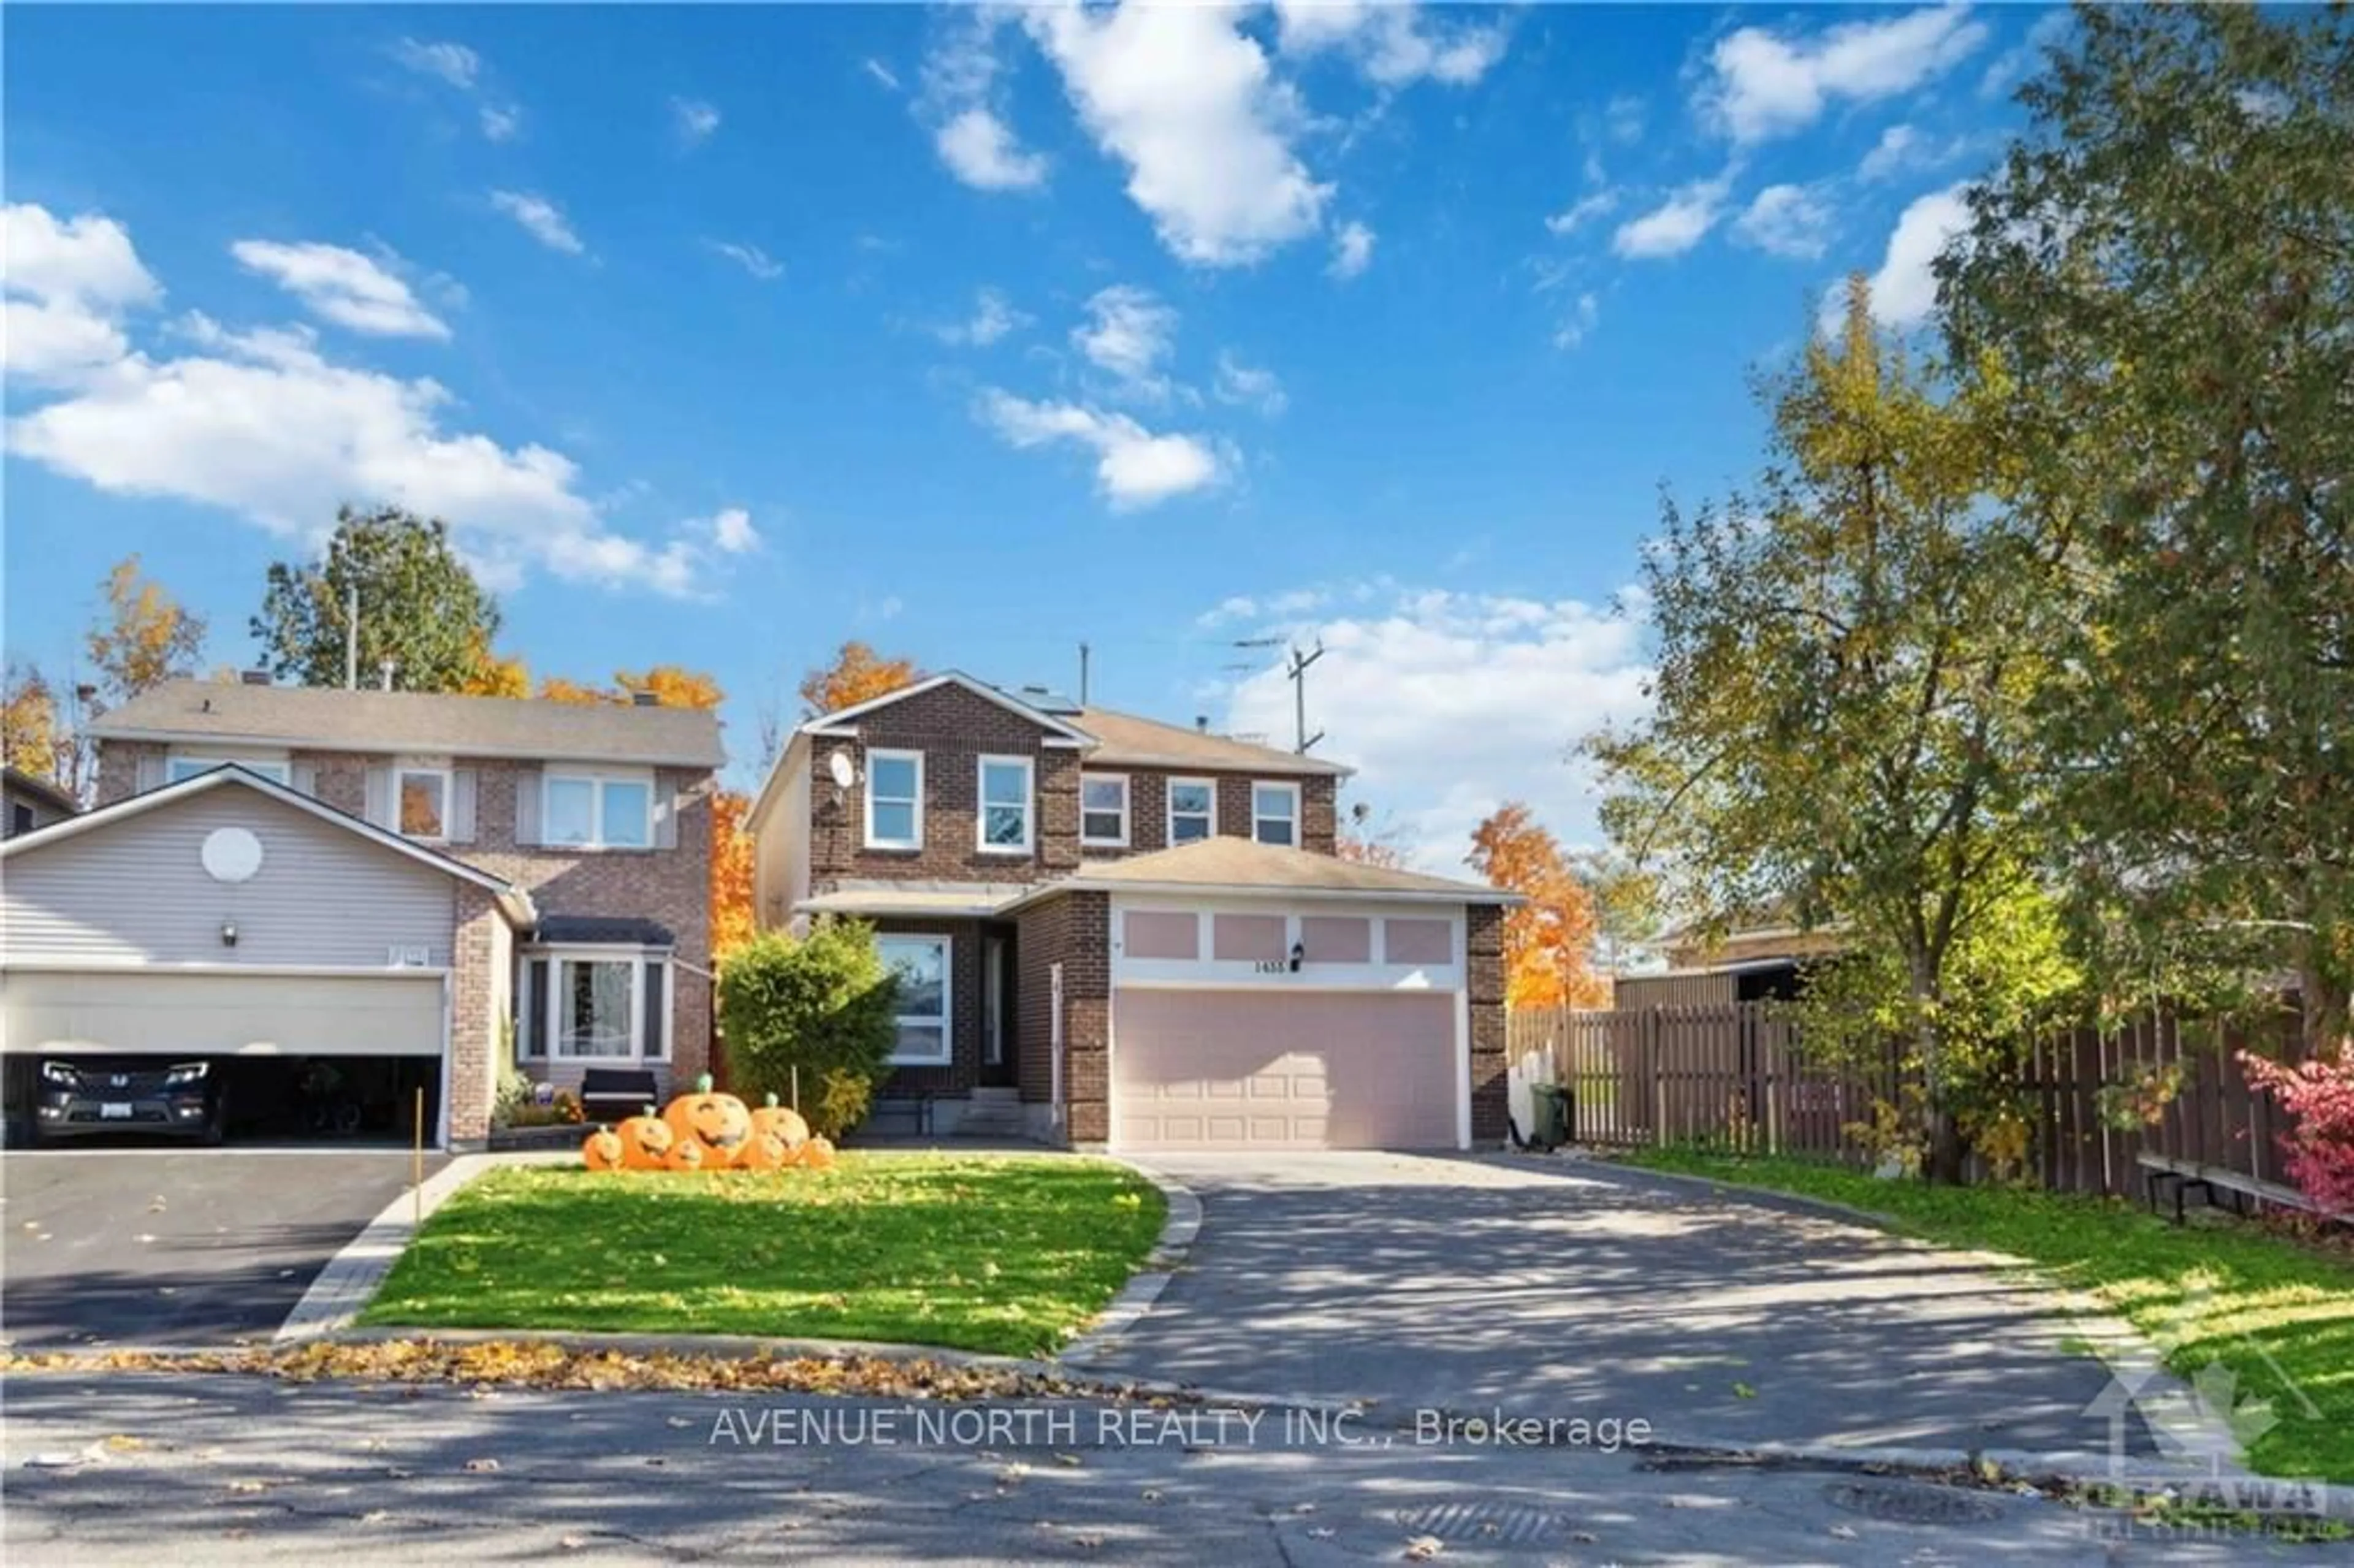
[[427, 889], [1114, 931]]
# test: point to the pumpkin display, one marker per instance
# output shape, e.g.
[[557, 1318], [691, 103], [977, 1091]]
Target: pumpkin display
[[780, 1122], [719, 1122], [817, 1154], [646, 1141], [686, 1154], [763, 1151], [603, 1149]]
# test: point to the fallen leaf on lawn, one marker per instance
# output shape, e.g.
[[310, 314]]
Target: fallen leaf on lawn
[[1743, 1390], [123, 1443], [1423, 1548]]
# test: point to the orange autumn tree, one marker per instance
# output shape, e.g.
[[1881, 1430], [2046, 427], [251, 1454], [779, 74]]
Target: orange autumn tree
[[1547, 940], [857, 674]]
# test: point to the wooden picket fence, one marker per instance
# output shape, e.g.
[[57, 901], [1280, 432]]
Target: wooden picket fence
[[1739, 1077]]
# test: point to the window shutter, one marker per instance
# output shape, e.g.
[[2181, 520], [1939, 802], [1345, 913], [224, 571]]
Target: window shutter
[[150, 773], [665, 818], [304, 777], [526, 806], [378, 806], [462, 806]]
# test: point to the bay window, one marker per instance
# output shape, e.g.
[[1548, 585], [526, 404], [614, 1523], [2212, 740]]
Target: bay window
[[594, 1004]]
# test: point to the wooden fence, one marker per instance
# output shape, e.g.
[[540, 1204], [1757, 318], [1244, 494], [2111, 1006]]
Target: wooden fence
[[1738, 1075]]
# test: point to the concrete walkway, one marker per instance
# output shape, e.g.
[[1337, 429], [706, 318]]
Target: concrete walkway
[[1577, 1291]]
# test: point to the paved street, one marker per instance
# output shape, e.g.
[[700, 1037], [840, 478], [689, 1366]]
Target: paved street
[[211, 1470], [177, 1246], [1559, 1290]]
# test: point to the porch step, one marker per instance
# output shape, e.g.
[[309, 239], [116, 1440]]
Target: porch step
[[993, 1113], [1000, 1095]]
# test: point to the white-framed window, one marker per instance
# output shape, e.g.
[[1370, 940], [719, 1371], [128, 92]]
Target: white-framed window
[[1004, 825], [1275, 813], [1103, 809], [278, 770], [895, 800], [593, 1004], [1192, 810], [420, 798], [923, 966], [597, 811]]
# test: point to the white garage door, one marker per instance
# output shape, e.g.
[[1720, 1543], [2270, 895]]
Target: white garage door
[[1220, 1069], [148, 1012]]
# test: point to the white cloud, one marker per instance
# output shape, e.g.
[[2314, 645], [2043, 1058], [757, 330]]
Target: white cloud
[[993, 317], [541, 218], [1187, 101], [2027, 55], [1352, 250], [1582, 315], [1900, 148], [1583, 210], [1450, 704], [501, 122], [69, 285], [342, 286], [1765, 84], [978, 150], [1134, 467], [1624, 118], [732, 532], [1129, 333], [1676, 224], [883, 75], [1394, 45], [264, 424], [694, 119], [453, 63], [1248, 387], [751, 258], [1905, 292], [1787, 220]]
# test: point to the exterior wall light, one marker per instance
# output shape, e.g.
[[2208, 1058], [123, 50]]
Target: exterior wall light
[[229, 933], [1298, 956]]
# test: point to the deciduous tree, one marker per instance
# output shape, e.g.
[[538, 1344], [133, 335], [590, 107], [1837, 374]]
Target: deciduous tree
[[671, 685], [29, 722], [142, 637], [857, 674], [734, 921], [1549, 941], [419, 607]]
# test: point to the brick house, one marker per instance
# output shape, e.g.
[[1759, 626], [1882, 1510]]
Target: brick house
[[1114, 931], [432, 891]]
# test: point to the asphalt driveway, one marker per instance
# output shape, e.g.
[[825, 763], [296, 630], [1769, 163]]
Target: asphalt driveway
[[142, 1246], [1572, 1291]]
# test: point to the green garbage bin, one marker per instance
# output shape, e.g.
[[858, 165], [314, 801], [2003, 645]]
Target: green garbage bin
[[1548, 1115]]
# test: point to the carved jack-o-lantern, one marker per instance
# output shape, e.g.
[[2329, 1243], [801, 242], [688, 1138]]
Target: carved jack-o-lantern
[[817, 1154], [763, 1151], [780, 1122], [603, 1149], [686, 1154], [645, 1141], [719, 1122]]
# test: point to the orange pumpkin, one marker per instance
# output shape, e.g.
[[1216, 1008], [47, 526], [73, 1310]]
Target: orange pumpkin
[[603, 1149], [686, 1154], [645, 1141], [817, 1154], [785, 1125], [763, 1151], [719, 1122]]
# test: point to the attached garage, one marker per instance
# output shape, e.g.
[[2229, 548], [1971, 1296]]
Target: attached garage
[[149, 1013]]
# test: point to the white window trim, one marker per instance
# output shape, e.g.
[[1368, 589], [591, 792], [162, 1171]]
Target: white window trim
[[277, 769], [1028, 805], [596, 779], [1127, 810], [917, 840], [947, 1017], [448, 799], [1290, 789], [529, 1049], [1174, 785]]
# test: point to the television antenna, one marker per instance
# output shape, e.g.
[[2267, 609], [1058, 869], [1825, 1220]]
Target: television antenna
[[1296, 671]]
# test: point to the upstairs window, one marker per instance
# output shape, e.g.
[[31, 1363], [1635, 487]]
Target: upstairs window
[[1192, 810], [1275, 814], [1103, 809], [583, 811], [895, 800], [1006, 809], [422, 795]]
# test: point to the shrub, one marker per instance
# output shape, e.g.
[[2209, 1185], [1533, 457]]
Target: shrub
[[823, 1004], [842, 1103], [2320, 1151]]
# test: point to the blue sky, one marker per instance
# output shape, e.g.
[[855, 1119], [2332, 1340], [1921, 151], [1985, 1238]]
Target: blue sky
[[723, 334]]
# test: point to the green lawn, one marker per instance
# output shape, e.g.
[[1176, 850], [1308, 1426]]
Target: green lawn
[[2278, 1314], [1010, 1254]]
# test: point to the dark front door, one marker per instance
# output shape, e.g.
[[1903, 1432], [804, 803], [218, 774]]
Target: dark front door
[[997, 1065]]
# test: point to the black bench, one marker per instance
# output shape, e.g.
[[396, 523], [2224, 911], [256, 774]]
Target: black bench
[[614, 1094], [2186, 1174]]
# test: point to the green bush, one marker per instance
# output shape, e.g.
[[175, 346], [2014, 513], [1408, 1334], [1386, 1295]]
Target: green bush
[[824, 1004]]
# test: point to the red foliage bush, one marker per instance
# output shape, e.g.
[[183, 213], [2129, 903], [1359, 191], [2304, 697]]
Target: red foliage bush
[[2320, 1152]]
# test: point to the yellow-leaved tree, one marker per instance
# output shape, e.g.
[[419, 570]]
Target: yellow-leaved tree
[[1549, 941]]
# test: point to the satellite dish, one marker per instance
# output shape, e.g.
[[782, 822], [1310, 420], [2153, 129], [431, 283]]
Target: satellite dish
[[1360, 812], [839, 765]]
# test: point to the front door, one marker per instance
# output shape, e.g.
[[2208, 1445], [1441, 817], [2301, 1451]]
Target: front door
[[997, 1066]]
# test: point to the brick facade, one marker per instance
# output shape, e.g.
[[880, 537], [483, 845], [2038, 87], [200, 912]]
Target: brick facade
[[1075, 931], [965, 940], [481, 982], [1484, 932], [1148, 808]]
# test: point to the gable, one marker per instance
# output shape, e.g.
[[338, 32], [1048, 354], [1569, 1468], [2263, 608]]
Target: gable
[[949, 715]]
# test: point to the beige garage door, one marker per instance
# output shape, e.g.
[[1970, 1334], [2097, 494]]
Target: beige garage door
[[147, 1012], [1218, 1069]]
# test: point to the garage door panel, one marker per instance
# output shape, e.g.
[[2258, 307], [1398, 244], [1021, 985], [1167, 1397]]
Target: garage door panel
[[147, 1012], [1299, 1070]]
